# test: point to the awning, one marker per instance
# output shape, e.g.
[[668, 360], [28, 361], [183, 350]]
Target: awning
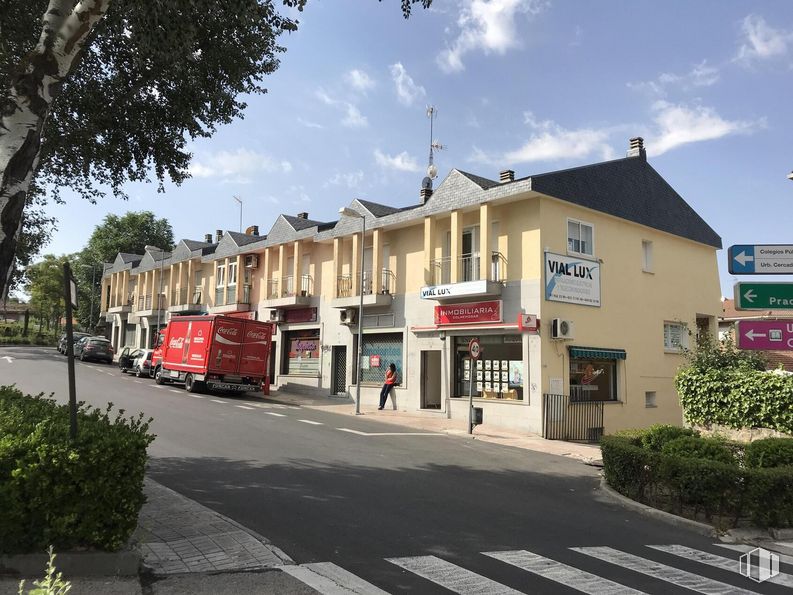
[[597, 353]]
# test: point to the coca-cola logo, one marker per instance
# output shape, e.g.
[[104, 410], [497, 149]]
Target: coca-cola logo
[[256, 335], [176, 343], [228, 330]]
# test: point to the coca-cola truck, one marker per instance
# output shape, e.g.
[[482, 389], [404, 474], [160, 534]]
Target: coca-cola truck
[[215, 353]]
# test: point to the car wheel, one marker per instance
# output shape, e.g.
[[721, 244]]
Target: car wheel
[[138, 373]]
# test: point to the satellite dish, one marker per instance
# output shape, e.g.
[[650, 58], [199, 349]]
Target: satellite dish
[[426, 183], [432, 171]]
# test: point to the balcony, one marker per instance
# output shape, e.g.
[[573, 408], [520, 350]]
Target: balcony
[[226, 299], [469, 279], [122, 306], [285, 292], [347, 291], [148, 305], [184, 301]]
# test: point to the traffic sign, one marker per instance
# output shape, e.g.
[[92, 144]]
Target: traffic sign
[[776, 335], [764, 296], [474, 348], [769, 259]]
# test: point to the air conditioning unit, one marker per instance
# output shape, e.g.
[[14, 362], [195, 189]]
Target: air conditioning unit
[[276, 315], [347, 316], [251, 261], [561, 329]]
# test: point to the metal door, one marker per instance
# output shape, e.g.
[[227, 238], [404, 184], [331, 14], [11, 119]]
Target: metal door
[[339, 368]]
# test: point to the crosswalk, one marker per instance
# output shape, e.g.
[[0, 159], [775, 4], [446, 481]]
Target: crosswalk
[[554, 575]]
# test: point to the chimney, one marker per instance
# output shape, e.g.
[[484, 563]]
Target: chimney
[[302, 215], [218, 235], [425, 195], [254, 230], [208, 238], [637, 148], [506, 175]]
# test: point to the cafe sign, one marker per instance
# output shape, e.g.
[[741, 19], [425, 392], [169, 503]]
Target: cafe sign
[[470, 313]]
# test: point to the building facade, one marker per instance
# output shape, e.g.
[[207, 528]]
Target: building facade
[[582, 287]]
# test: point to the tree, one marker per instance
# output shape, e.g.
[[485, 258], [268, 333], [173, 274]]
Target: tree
[[45, 286], [130, 233], [99, 92]]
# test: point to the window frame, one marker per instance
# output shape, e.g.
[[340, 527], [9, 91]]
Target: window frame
[[580, 223], [232, 279], [614, 380], [648, 264], [683, 345], [220, 275]]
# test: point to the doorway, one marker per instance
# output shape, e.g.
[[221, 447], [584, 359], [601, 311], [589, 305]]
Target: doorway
[[431, 379], [339, 370]]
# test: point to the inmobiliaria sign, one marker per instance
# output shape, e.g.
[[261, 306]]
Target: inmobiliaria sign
[[468, 313]]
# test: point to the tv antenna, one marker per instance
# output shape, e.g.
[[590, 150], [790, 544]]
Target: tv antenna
[[432, 170]]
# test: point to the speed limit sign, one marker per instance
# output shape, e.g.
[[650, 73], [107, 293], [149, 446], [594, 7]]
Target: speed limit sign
[[474, 348]]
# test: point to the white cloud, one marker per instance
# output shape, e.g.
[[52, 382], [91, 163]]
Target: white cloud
[[700, 75], [352, 115], [309, 124], [679, 125], [761, 41], [407, 90], [401, 162], [359, 80], [236, 164], [351, 179], [486, 25]]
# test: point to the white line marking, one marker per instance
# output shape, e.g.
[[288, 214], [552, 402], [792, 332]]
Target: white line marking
[[196, 396], [138, 381], [451, 576], [218, 401], [173, 390], [737, 547], [308, 421], [574, 578], [274, 414], [244, 407], [660, 571], [327, 578], [716, 561], [359, 433], [161, 387]]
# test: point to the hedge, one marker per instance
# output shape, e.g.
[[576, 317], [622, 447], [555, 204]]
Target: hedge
[[81, 494], [725, 493]]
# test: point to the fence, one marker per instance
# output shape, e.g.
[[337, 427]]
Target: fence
[[575, 421]]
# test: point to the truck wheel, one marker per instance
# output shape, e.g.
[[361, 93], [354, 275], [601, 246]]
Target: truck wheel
[[190, 384], [158, 378]]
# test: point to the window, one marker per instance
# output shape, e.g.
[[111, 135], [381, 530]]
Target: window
[[649, 399], [302, 353], [593, 379], [675, 336], [377, 352], [579, 237], [647, 256], [220, 276], [232, 273], [498, 374]]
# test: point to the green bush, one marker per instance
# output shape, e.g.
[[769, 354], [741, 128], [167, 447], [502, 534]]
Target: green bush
[[53, 491], [770, 452], [696, 447], [657, 436]]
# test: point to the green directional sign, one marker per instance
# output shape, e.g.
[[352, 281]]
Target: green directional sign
[[764, 296]]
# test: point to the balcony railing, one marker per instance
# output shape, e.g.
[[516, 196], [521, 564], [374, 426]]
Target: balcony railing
[[148, 302], [179, 297], [498, 267], [228, 295], [288, 288], [468, 268], [231, 294], [220, 294], [272, 289], [387, 281], [198, 295], [344, 286]]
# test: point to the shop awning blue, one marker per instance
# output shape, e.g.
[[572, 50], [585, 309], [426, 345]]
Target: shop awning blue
[[597, 353]]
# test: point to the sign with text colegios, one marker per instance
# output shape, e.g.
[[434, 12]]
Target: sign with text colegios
[[776, 335], [573, 280], [469, 313]]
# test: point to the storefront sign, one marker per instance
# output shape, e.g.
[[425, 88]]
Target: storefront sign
[[572, 280], [528, 322], [468, 288], [300, 315], [468, 313], [374, 361]]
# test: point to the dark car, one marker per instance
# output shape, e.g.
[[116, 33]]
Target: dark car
[[127, 357], [97, 348], [142, 365], [76, 336]]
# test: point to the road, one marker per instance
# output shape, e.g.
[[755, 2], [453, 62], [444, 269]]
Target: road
[[403, 510]]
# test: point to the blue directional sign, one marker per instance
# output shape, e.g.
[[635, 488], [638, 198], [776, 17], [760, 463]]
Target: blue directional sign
[[767, 259]]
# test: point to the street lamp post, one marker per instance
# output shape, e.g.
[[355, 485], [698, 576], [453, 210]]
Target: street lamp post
[[355, 214], [93, 289]]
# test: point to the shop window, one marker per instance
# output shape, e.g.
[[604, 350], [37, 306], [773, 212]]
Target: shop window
[[580, 237], [675, 336], [377, 352], [593, 379], [497, 374], [302, 353]]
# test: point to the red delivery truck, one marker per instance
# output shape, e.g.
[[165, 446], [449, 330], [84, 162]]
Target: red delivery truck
[[214, 352]]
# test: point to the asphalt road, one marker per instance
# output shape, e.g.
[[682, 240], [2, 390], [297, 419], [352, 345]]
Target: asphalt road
[[391, 507]]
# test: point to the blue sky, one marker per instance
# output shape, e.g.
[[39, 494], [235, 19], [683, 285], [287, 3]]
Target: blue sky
[[530, 85]]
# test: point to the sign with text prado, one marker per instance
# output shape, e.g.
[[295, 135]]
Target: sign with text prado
[[468, 313], [572, 280]]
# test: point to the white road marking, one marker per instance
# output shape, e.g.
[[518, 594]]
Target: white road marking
[[173, 390], [274, 414], [308, 421], [716, 561], [139, 381], [196, 396], [8, 358], [327, 578], [660, 571], [737, 547], [359, 433], [562, 573], [451, 576], [244, 407], [218, 401]]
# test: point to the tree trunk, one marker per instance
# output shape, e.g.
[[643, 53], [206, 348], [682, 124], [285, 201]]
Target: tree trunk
[[26, 104]]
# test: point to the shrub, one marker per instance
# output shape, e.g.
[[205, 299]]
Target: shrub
[[770, 452], [53, 491], [655, 437], [696, 447]]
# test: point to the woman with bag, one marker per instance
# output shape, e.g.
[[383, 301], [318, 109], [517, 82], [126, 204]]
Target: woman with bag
[[390, 380]]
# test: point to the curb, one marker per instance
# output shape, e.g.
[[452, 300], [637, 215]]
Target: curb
[[654, 513], [126, 562]]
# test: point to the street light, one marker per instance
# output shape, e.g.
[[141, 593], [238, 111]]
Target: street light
[[93, 289], [355, 214]]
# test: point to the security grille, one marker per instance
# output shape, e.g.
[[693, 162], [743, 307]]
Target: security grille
[[576, 421], [339, 370]]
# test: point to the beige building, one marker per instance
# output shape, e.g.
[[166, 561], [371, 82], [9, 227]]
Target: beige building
[[582, 286]]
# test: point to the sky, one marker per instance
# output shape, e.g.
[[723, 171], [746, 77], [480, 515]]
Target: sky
[[528, 85]]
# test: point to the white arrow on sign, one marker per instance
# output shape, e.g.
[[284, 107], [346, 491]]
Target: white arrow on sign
[[750, 295], [8, 359], [743, 258], [751, 335]]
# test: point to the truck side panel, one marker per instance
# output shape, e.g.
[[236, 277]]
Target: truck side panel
[[226, 347], [186, 344], [255, 355]]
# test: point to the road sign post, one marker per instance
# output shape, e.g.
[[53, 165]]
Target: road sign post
[[760, 259], [474, 350], [775, 335], [764, 296]]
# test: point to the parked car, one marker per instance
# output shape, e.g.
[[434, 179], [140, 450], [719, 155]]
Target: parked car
[[127, 357], [76, 336], [97, 348], [142, 365]]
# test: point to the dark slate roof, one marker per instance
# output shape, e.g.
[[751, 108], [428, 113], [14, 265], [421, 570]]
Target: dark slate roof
[[631, 189], [209, 249], [196, 245], [127, 257], [242, 239], [483, 183], [298, 223], [377, 209], [326, 226]]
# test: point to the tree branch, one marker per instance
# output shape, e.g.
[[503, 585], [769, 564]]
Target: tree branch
[[53, 20]]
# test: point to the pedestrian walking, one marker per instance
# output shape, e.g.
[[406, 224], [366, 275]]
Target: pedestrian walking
[[390, 380]]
